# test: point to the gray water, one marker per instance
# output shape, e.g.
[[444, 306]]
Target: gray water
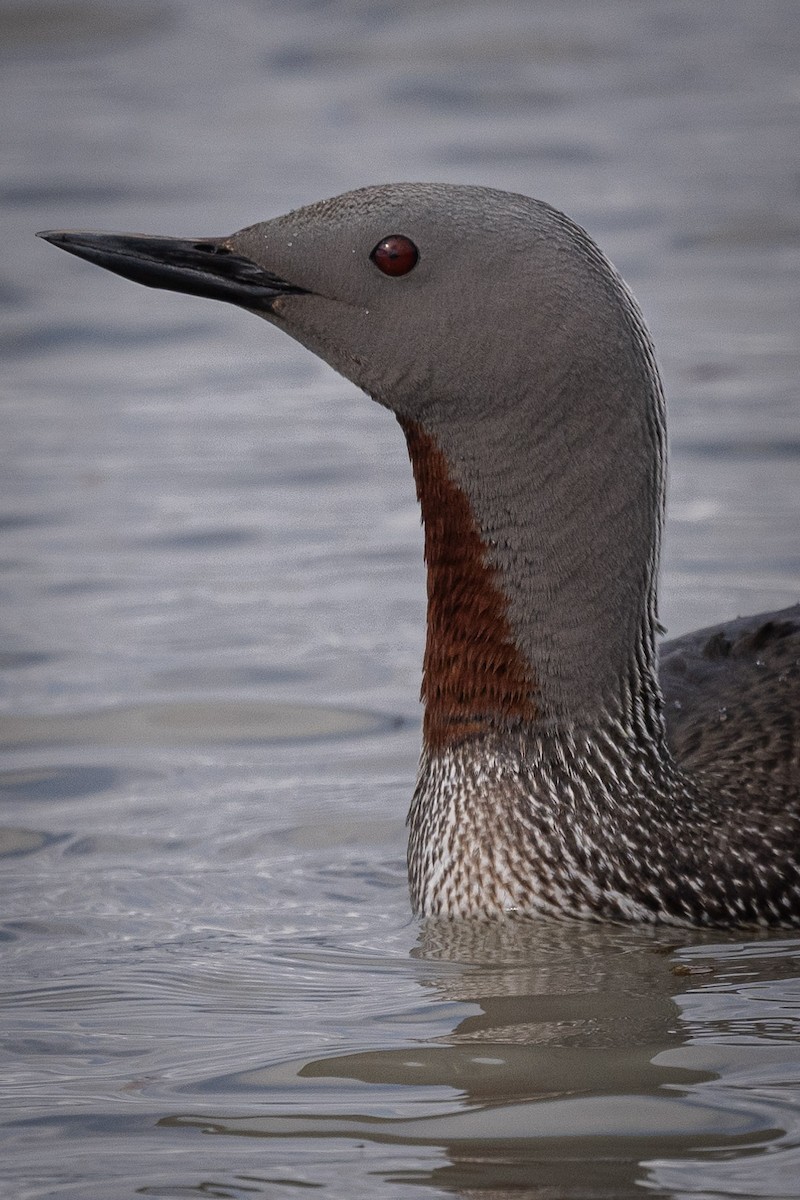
[[214, 611]]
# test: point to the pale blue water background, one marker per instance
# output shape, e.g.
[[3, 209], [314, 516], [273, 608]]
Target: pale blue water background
[[213, 614]]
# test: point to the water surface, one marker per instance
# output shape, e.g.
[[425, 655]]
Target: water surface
[[214, 612]]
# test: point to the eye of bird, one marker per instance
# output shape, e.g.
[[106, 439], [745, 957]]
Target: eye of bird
[[395, 255]]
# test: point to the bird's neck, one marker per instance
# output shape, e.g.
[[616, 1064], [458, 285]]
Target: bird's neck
[[474, 677], [541, 616]]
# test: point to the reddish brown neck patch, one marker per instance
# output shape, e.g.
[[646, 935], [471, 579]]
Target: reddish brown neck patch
[[474, 677]]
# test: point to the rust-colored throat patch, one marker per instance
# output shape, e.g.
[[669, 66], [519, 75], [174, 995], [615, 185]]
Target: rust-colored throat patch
[[474, 678]]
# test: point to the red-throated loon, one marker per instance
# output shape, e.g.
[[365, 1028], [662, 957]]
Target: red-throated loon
[[553, 777]]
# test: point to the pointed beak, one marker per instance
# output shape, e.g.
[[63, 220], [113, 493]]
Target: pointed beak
[[200, 267]]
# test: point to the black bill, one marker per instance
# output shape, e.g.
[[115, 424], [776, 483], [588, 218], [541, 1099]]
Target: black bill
[[199, 267]]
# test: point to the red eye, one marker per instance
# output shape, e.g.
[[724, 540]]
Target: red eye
[[395, 255]]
